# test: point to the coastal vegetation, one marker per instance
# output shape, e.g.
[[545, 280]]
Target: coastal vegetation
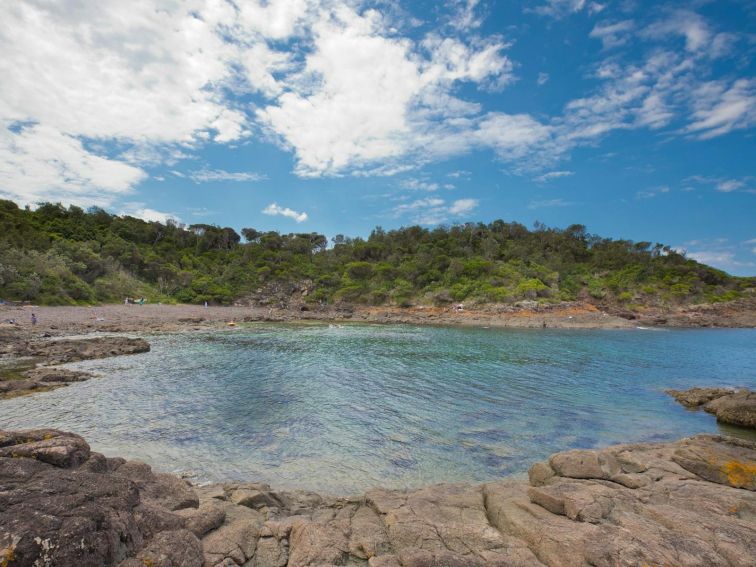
[[65, 255]]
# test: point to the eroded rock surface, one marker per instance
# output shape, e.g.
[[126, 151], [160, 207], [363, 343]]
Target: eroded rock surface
[[53, 352], [692, 502], [72, 350], [736, 407]]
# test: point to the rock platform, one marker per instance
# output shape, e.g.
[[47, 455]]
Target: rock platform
[[686, 503], [734, 407]]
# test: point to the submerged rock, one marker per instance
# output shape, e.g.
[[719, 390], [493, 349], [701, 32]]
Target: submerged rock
[[736, 407], [692, 502]]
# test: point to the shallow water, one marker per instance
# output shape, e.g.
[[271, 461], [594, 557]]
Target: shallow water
[[342, 408]]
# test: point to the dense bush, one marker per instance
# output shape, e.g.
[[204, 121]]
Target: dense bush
[[59, 255]]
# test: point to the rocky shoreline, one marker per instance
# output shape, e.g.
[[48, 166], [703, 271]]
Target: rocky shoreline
[[527, 314], [691, 502], [32, 363], [734, 407]]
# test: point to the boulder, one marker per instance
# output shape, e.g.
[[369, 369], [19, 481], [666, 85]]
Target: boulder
[[734, 407], [64, 505], [64, 450], [723, 460], [696, 397], [737, 408]]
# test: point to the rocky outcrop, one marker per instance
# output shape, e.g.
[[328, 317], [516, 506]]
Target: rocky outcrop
[[736, 407], [65, 505], [692, 502], [72, 350], [52, 352]]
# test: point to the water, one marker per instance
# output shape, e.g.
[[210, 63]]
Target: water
[[342, 409]]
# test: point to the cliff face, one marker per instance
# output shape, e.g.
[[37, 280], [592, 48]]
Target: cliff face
[[691, 502]]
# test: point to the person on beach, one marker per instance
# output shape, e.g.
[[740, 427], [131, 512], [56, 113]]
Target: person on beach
[[34, 319]]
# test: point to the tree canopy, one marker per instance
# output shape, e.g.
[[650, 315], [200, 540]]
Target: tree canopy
[[66, 255]]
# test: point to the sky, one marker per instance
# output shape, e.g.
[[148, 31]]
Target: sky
[[636, 119]]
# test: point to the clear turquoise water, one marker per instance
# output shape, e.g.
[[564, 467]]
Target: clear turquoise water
[[341, 409]]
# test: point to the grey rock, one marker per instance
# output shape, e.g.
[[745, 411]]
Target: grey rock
[[722, 460], [735, 407], [691, 502], [71, 350], [52, 374], [696, 397], [64, 450], [199, 521], [62, 505], [178, 548]]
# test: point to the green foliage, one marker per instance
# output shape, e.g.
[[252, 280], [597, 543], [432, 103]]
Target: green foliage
[[59, 255]]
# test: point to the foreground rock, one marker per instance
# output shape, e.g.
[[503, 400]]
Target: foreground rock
[[736, 407], [686, 503]]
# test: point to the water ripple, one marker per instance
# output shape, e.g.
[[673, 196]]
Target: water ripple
[[341, 409]]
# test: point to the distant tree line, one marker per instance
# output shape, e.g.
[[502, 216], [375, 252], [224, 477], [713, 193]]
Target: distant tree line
[[66, 255]]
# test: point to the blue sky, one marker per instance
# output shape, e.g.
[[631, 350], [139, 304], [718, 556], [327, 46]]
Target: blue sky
[[633, 118]]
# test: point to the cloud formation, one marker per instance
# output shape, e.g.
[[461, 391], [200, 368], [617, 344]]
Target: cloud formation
[[434, 210], [96, 94], [205, 175], [275, 210]]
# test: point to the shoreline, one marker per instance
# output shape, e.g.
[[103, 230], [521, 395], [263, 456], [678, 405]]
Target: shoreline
[[29, 358], [62, 320]]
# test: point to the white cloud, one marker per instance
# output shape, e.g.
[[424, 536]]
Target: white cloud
[[459, 174], [719, 108], [718, 252], [663, 87], [683, 23], [140, 211], [729, 185], [552, 175], [722, 184], [613, 34], [433, 210], [275, 19], [723, 259], [367, 98], [542, 79], [105, 71], [463, 206], [548, 204], [464, 18], [651, 193], [120, 87], [205, 175], [420, 185], [512, 135], [39, 163], [275, 210], [561, 8]]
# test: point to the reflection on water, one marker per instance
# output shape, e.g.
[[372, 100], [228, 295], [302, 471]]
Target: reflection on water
[[341, 409]]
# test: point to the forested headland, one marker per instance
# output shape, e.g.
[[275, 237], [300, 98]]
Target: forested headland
[[66, 255]]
